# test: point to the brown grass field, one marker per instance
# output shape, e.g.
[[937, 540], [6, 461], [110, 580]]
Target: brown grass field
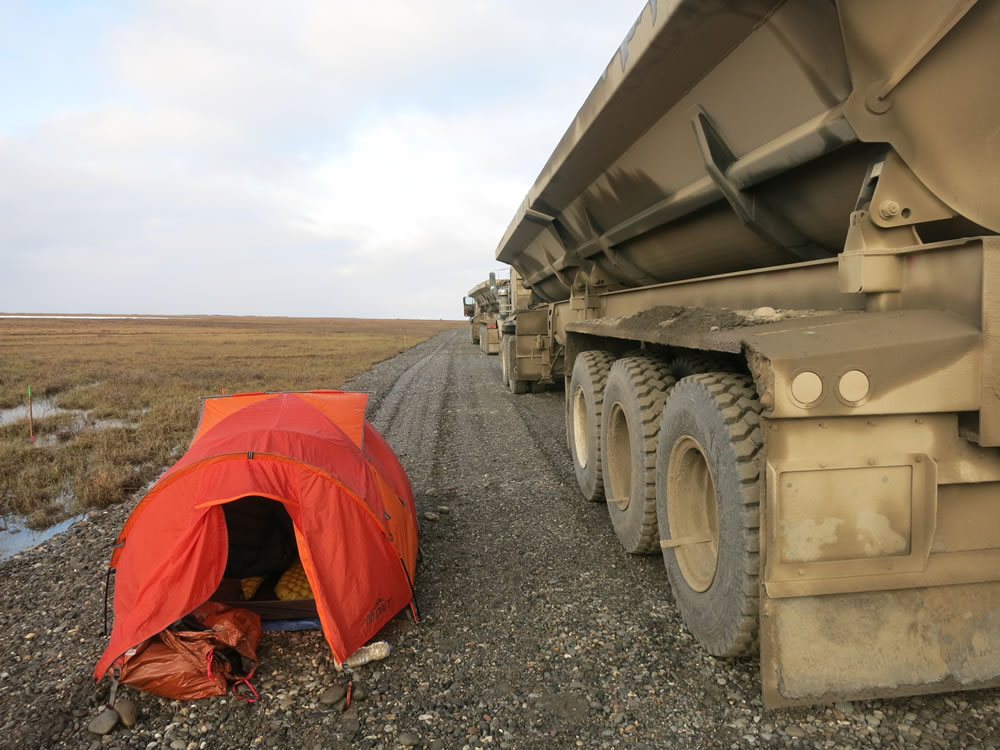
[[117, 401]]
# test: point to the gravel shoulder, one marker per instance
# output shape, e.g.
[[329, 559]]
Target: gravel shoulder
[[536, 629]]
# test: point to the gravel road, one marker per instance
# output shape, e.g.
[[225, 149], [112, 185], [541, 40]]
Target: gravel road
[[536, 630]]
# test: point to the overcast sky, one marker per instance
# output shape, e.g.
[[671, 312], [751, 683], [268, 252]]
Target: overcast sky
[[256, 157]]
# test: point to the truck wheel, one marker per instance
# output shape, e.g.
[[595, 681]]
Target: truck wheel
[[692, 364], [583, 419], [505, 343], [633, 405], [519, 387], [708, 482], [475, 333], [483, 338]]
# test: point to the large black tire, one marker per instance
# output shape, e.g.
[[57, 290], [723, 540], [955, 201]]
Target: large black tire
[[484, 337], [584, 402], [708, 485], [633, 404], [505, 353], [684, 365], [519, 387], [475, 333]]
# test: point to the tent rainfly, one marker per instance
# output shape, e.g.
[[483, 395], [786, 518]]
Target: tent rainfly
[[270, 478]]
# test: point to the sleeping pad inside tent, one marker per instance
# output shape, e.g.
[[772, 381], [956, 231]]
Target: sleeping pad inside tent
[[289, 505]]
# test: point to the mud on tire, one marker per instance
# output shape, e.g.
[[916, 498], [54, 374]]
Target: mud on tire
[[633, 405], [708, 482]]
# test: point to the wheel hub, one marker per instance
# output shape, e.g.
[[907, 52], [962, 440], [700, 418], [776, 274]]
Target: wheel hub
[[580, 428], [693, 513], [619, 458]]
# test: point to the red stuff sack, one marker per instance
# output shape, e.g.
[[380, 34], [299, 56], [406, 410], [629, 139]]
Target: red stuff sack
[[198, 656]]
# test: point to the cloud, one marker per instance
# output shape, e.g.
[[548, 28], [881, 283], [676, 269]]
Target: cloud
[[312, 158]]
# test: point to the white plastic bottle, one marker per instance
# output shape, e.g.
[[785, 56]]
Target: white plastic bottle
[[365, 654]]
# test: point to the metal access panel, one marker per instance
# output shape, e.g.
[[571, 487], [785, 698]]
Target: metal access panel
[[843, 520]]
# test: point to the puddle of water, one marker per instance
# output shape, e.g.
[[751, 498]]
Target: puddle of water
[[40, 407], [16, 537], [44, 407]]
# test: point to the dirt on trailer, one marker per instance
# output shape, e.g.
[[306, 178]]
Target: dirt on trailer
[[696, 327], [536, 630]]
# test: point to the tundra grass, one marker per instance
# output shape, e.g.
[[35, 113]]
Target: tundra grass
[[126, 392]]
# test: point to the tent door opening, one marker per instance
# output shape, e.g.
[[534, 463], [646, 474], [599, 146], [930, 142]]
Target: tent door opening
[[263, 571]]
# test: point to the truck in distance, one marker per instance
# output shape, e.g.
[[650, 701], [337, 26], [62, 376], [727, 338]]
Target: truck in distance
[[482, 306]]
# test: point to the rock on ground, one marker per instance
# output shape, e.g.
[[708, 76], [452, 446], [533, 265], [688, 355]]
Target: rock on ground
[[128, 711], [104, 722]]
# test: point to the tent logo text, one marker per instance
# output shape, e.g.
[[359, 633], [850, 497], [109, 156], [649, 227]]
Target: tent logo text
[[381, 605]]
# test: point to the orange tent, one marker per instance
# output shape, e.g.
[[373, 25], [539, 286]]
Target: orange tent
[[347, 497]]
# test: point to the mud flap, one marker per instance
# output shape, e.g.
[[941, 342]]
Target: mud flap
[[818, 649], [882, 569]]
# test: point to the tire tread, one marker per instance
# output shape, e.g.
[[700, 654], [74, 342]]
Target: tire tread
[[735, 399], [598, 364], [650, 380]]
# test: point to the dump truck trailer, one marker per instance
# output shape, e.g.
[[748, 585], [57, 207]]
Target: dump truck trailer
[[482, 305], [529, 361], [765, 252]]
